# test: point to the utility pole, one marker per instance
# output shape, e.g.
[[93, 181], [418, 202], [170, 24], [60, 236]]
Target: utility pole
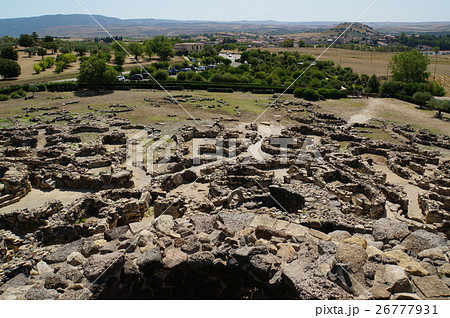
[[436, 52]]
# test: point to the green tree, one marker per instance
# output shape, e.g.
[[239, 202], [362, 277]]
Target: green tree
[[95, 71], [52, 46], [118, 46], [410, 67], [81, 49], [35, 37], [120, 57], [9, 68], [440, 105], [9, 53], [33, 89], [165, 52], [30, 51], [136, 49], [41, 52], [48, 39], [287, 43], [148, 49], [374, 84], [26, 40]]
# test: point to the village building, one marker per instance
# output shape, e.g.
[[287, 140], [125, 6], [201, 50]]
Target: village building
[[188, 48]]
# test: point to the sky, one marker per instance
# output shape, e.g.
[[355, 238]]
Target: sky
[[236, 10]]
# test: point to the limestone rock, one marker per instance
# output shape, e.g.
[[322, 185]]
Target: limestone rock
[[352, 256], [286, 253], [164, 224], [75, 259], [356, 239], [387, 229], [174, 257], [408, 264], [436, 253], [339, 236], [431, 286], [390, 279]]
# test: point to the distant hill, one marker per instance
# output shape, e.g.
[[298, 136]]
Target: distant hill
[[79, 25], [82, 26], [356, 30]]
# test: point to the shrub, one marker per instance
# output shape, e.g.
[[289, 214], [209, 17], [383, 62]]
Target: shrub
[[15, 96], [435, 89], [421, 98], [161, 65], [43, 64], [9, 68], [392, 87], [37, 68], [60, 66], [4, 98], [160, 75], [299, 92], [135, 70], [181, 76], [50, 61], [307, 93], [311, 94]]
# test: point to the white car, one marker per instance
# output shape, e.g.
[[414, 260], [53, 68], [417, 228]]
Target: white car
[[121, 78]]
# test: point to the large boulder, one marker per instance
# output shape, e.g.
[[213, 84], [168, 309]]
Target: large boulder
[[387, 229], [61, 254], [174, 257], [102, 266], [432, 286], [150, 260], [352, 256], [421, 240], [390, 279]]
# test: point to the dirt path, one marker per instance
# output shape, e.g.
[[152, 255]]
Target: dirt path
[[412, 192], [366, 113], [37, 198]]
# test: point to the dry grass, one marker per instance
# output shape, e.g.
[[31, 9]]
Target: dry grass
[[250, 105]]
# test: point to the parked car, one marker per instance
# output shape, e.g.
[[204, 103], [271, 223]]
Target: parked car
[[145, 75], [121, 78], [200, 68], [186, 69], [136, 77], [173, 71]]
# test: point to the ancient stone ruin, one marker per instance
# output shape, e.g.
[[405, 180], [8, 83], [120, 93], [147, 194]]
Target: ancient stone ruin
[[235, 211]]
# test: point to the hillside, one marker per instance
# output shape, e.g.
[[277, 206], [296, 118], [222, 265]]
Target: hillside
[[357, 30], [82, 26]]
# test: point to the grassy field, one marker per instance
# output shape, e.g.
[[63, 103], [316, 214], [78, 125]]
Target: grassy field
[[159, 110]]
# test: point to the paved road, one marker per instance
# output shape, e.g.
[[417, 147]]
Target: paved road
[[233, 58]]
